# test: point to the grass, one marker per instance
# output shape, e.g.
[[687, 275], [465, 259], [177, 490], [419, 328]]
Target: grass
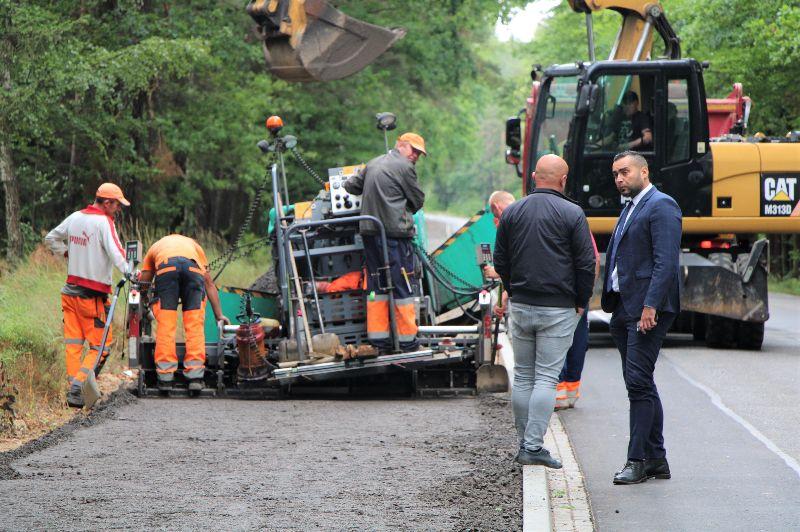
[[790, 285], [31, 330]]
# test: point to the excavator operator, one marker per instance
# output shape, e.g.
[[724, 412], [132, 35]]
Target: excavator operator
[[391, 193], [180, 268], [630, 127]]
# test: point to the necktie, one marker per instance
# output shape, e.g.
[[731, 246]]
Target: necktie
[[620, 228]]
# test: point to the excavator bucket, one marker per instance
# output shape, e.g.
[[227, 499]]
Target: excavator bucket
[[308, 40]]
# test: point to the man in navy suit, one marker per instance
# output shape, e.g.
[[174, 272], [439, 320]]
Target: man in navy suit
[[642, 290]]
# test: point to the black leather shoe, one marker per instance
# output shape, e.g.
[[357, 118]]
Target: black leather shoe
[[657, 468], [632, 473], [540, 457]]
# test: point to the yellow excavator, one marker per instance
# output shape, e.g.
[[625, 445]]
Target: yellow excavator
[[308, 40], [732, 188]]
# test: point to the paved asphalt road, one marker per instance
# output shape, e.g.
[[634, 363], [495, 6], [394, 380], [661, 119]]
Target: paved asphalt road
[[731, 431]]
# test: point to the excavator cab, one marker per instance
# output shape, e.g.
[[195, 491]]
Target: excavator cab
[[589, 113], [308, 40]]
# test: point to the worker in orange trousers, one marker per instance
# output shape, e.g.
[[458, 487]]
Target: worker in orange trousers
[[180, 268], [88, 239]]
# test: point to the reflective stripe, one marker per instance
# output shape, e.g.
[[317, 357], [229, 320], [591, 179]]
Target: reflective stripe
[[106, 349], [166, 366], [377, 335], [73, 341], [194, 373], [81, 377], [196, 270], [166, 269]]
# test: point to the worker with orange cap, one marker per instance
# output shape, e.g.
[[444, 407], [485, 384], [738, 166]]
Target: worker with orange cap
[[89, 241], [180, 268], [390, 192]]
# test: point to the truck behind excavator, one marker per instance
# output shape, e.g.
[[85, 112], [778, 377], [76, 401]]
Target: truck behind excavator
[[732, 189]]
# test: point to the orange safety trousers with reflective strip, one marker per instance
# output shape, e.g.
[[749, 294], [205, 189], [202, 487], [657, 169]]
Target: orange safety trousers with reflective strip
[[401, 272], [180, 278], [84, 320]]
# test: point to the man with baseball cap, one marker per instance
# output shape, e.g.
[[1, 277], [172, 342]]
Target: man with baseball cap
[[390, 192], [89, 241]]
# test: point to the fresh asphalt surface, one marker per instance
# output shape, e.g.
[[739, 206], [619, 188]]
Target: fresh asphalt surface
[[731, 433]]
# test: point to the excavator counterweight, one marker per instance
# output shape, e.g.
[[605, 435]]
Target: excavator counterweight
[[308, 40]]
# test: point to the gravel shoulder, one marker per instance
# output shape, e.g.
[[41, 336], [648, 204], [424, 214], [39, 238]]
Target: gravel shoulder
[[442, 464]]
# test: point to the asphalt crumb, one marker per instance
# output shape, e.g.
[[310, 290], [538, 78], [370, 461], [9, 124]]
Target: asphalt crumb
[[101, 413], [489, 495]]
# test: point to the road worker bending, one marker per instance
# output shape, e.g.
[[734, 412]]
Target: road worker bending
[[180, 268], [88, 239]]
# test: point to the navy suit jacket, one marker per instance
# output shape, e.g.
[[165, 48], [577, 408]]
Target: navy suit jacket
[[648, 257]]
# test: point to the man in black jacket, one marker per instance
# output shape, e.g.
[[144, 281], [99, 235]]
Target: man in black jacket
[[545, 258], [391, 193]]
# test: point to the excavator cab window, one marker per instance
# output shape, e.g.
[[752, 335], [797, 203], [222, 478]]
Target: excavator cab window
[[622, 118], [653, 107], [558, 112], [677, 135]]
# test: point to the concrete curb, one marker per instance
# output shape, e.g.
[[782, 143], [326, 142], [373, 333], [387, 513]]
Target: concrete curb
[[536, 514], [556, 499]]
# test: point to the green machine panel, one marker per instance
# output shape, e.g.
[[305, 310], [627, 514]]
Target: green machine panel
[[231, 301], [458, 255]]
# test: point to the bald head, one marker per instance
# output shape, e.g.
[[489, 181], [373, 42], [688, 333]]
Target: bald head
[[551, 172], [499, 200]]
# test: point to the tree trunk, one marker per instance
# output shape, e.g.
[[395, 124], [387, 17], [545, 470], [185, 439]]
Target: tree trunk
[[10, 190]]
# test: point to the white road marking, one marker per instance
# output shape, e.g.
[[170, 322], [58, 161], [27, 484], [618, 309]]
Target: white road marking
[[716, 400]]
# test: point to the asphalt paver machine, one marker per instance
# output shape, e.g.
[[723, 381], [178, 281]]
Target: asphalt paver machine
[[291, 336]]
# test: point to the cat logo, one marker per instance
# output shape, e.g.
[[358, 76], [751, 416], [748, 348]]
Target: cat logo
[[779, 194]]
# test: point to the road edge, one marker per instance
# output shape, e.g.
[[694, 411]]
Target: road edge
[[556, 499]]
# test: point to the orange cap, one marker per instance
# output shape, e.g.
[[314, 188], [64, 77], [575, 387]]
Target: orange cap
[[416, 141], [112, 191]]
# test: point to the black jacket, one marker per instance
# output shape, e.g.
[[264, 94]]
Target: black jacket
[[544, 253], [390, 192]]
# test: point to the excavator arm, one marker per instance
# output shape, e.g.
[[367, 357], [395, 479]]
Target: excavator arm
[[635, 37], [308, 40]]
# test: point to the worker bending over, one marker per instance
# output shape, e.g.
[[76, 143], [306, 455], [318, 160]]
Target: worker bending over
[[180, 268], [390, 192], [88, 239]]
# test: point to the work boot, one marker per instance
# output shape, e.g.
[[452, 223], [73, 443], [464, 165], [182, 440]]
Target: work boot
[[540, 457], [573, 393], [164, 386], [74, 396], [562, 401], [195, 385]]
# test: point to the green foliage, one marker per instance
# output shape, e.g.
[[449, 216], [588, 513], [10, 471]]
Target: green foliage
[[31, 319], [790, 285]]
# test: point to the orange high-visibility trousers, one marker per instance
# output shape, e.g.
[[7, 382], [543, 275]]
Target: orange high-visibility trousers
[[84, 320], [179, 279], [401, 273]]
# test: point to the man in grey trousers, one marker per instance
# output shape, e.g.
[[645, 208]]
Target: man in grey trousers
[[545, 258]]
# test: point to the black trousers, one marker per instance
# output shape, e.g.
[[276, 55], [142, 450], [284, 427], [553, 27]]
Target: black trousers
[[639, 354]]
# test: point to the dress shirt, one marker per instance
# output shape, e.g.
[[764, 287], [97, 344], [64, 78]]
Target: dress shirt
[[634, 202]]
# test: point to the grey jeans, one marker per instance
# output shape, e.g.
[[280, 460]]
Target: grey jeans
[[541, 337]]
